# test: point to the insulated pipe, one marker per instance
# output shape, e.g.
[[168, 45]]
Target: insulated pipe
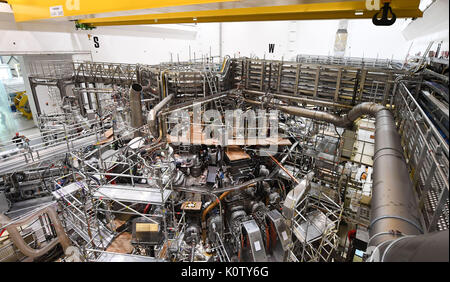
[[153, 116], [431, 247], [225, 62], [300, 99], [346, 120], [20, 243], [393, 205], [136, 107]]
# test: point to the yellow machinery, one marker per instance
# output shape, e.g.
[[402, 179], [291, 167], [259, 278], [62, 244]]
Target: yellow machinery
[[22, 104], [17, 98]]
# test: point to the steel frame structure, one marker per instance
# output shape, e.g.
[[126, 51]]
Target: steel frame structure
[[336, 87], [427, 155], [81, 211], [348, 85], [318, 241], [43, 151]]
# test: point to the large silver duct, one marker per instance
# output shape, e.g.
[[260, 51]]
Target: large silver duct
[[152, 117], [346, 120], [136, 107], [393, 206], [428, 247]]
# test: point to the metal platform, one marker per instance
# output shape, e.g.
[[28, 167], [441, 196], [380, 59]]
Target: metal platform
[[68, 189], [313, 229], [43, 154], [135, 194]]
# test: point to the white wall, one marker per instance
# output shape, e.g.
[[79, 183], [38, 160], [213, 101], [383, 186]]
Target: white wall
[[119, 45], [253, 39], [151, 44], [433, 26], [159, 43], [18, 38], [370, 41], [127, 44], [316, 38]]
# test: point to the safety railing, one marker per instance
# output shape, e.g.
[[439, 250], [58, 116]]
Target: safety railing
[[349, 61], [79, 216], [110, 199], [427, 155], [108, 73], [314, 228], [345, 84], [35, 149], [51, 69]]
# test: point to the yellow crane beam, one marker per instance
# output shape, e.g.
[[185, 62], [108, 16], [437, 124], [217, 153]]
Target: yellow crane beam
[[29, 10], [315, 11]]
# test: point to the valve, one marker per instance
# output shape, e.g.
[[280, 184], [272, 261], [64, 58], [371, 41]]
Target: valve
[[384, 20]]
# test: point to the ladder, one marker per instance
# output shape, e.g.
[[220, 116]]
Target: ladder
[[81, 218], [423, 58], [213, 89]]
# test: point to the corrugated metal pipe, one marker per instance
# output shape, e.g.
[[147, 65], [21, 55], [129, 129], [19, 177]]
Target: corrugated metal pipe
[[15, 236], [393, 206]]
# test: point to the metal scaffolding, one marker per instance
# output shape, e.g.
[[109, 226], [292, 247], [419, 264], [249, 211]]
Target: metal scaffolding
[[314, 228], [109, 169]]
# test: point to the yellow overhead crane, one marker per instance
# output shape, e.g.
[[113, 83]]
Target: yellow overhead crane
[[91, 13]]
